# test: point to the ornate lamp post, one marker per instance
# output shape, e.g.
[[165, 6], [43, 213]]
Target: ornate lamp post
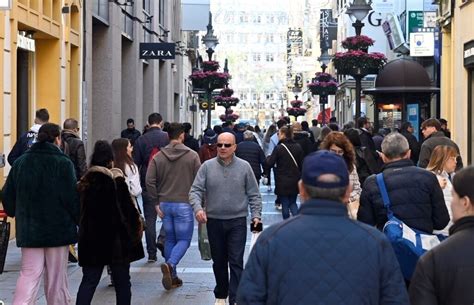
[[210, 41], [358, 10]]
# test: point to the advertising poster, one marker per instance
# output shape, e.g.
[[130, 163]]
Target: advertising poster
[[414, 119]]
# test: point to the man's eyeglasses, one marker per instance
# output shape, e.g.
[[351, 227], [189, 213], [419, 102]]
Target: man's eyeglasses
[[226, 145]]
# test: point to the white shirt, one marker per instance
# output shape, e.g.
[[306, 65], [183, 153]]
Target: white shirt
[[133, 180]]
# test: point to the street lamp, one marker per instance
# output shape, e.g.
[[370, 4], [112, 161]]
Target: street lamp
[[324, 59], [357, 11], [210, 41]]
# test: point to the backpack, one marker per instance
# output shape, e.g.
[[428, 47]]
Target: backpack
[[153, 153]]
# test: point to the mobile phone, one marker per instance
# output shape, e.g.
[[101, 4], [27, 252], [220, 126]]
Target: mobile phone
[[256, 228]]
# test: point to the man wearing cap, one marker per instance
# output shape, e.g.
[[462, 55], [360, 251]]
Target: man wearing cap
[[321, 256]]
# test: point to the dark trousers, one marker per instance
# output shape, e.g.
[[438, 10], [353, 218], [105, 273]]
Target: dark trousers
[[90, 280], [227, 240], [150, 230]]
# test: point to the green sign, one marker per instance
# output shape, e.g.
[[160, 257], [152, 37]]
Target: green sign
[[415, 21]]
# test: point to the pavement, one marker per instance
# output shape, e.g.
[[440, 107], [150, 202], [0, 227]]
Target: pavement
[[197, 275]]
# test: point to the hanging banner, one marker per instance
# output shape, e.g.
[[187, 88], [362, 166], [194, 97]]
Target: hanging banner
[[327, 29], [294, 48]]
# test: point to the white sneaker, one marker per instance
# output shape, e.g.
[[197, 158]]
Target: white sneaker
[[220, 302]]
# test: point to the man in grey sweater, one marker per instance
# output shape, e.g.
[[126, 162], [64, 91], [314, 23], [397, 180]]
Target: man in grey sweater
[[229, 186]]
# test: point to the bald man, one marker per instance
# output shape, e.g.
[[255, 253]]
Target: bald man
[[229, 186]]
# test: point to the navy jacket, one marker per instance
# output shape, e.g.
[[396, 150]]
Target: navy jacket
[[25, 141], [415, 195], [154, 137], [322, 257], [253, 154]]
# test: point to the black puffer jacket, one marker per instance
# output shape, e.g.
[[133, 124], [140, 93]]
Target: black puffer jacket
[[251, 152], [415, 195], [109, 227], [445, 274], [74, 148], [303, 139], [287, 174]]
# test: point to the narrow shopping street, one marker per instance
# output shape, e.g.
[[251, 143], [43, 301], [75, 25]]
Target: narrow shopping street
[[197, 276]]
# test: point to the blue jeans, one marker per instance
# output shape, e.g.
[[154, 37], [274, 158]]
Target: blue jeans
[[288, 203], [178, 223], [227, 239]]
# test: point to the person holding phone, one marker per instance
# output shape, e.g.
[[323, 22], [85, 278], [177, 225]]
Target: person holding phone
[[229, 186]]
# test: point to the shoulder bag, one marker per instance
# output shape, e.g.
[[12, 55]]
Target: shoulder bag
[[291, 155], [408, 243]]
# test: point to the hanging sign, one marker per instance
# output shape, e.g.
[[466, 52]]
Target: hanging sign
[[422, 44], [469, 54], [157, 50]]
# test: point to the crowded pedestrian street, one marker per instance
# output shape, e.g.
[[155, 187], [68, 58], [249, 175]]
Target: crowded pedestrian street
[[198, 279], [218, 152]]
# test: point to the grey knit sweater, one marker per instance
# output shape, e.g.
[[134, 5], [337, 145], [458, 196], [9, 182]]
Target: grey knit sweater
[[229, 190]]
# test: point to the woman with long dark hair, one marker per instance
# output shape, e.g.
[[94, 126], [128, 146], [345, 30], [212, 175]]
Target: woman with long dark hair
[[109, 229], [40, 192], [123, 149]]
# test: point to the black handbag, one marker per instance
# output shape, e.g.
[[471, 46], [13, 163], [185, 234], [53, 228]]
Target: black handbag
[[4, 239]]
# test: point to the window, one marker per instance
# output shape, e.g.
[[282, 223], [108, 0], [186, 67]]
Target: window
[[269, 38], [229, 17], [269, 57], [244, 18], [229, 37], [257, 19], [147, 6], [245, 57], [100, 10], [270, 19], [161, 10], [256, 56]]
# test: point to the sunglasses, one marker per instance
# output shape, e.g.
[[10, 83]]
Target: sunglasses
[[226, 145]]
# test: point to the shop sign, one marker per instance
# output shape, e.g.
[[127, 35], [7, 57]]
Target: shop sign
[[415, 21], [469, 53], [5, 4], [422, 44], [25, 43], [157, 50]]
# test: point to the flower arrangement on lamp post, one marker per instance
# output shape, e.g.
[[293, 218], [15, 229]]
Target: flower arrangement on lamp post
[[296, 110], [229, 116], [323, 84], [357, 62], [208, 80]]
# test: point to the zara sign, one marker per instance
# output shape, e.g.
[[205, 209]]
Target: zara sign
[[157, 50]]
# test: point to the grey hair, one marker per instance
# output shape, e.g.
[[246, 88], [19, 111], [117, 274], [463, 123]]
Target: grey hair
[[335, 194], [395, 145], [248, 135]]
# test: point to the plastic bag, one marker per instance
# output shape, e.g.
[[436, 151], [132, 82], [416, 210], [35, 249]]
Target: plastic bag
[[203, 242]]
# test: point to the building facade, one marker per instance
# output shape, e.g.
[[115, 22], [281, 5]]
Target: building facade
[[457, 72], [41, 65], [118, 84]]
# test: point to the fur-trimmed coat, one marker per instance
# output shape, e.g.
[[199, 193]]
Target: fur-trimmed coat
[[109, 226]]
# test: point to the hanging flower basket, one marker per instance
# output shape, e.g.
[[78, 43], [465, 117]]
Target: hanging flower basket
[[227, 92], [358, 63], [323, 84], [296, 112], [226, 101], [229, 116], [361, 42], [210, 65], [209, 79], [296, 103]]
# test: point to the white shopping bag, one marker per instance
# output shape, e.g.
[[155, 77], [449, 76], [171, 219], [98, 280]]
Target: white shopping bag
[[253, 240]]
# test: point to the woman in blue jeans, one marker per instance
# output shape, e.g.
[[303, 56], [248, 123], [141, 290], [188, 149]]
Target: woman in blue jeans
[[288, 158]]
